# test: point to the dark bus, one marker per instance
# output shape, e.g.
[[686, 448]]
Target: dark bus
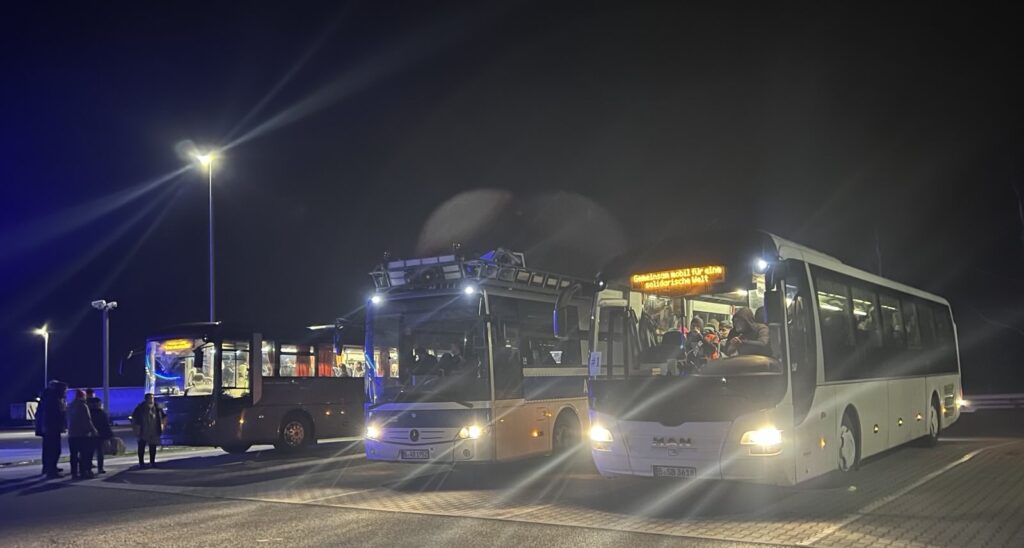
[[218, 392]]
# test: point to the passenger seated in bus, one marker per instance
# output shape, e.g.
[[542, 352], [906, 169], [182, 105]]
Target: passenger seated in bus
[[747, 336], [669, 348], [724, 327], [423, 362], [695, 335], [452, 360]]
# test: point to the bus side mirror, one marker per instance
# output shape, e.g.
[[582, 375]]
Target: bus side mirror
[[256, 367]]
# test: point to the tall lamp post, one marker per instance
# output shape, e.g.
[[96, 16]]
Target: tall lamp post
[[105, 307], [206, 161], [45, 334]]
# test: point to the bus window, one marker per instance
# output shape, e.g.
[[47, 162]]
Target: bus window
[[234, 369], [867, 330], [268, 358], [930, 358], [329, 364], [297, 360], [893, 335], [836, 331], [947, 362], [537, 343], [911, 325], [508, 360]]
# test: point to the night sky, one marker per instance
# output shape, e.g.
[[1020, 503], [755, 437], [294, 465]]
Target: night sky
[[571, 131]]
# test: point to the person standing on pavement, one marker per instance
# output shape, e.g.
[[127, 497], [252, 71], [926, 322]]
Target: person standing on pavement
[[81, 437], [51, 422], [101, 421], [147, 420]]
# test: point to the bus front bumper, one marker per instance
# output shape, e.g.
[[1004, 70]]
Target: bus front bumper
[[444, 452]]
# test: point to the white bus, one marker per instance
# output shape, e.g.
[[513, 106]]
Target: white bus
[[854, 364], [464, 366]]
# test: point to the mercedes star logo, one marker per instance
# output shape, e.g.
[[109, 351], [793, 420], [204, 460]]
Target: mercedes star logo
[[414, 435]]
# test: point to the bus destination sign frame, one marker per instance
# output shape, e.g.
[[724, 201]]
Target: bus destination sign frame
[[679, 281]]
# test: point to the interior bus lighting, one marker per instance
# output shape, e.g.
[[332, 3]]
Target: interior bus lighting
[[376, 299], [372, 432], [761, 265], [470, 432], [469, 289]]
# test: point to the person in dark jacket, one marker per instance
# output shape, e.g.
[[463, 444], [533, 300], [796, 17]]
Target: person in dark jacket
[[101, 420], [51, 422], [748, 336], [81, 436], [148, 421]]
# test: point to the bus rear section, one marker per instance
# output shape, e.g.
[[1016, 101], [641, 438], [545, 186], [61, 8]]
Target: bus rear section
[[217, 392]]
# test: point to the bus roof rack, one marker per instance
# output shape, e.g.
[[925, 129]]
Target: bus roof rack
[[496, 267]]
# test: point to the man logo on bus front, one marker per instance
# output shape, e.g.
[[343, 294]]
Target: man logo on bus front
[[414, 435]]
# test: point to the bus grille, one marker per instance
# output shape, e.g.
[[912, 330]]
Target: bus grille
[[423, 435]]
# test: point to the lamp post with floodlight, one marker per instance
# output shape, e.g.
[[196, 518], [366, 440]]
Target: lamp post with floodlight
[[45, 334], [105, 307], [206, 160]]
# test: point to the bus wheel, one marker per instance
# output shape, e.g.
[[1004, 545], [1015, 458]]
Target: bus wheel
[[849, 450], [237, 448], [565, 436], [295, 433]]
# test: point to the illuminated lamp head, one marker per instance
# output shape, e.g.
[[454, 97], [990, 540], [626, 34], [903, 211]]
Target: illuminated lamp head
[[377, 299], [469, 289], [760, 265]]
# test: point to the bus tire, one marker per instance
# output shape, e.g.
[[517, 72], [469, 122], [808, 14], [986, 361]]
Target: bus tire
[[849, 444], [566, 436], [236, 448], [934, 424], [296, 433]]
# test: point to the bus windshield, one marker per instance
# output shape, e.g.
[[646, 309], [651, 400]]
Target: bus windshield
[[179, 367], [699, 357], [431, 350]]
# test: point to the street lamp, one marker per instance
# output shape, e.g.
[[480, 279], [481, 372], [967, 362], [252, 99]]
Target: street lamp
[[45, 334], [105, 307], [206, 161]]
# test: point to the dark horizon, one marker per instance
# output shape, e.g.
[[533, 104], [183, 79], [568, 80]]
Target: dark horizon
[[886, 136]]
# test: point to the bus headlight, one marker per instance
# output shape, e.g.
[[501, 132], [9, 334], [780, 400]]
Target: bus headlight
[[600, 438], [763, 441], [471, 432], [372, 432]]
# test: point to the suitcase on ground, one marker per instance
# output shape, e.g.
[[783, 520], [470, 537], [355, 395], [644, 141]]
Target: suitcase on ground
[[113, 446]]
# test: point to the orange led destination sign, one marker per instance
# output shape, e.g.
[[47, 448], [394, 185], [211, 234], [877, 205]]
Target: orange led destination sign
[[680, 280]]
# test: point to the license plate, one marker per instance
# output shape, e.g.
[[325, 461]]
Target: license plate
[[675, 472], [415, 454]]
